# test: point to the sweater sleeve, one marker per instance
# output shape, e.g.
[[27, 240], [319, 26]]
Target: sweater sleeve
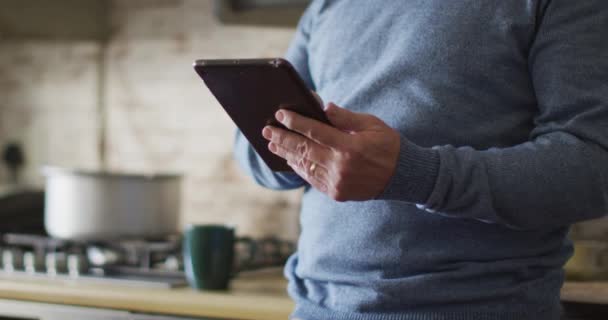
[[246, 156], [559, 176], [256, 168]]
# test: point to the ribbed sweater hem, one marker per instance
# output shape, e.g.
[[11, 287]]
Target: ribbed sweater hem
[[307, 311]]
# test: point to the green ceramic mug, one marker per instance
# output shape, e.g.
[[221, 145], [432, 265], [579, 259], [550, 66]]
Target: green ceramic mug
[[209, 253]]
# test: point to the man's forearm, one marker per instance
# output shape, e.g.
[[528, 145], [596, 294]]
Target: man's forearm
[[555, 180]]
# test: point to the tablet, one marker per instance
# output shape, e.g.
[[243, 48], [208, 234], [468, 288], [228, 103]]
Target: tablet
[[251, 91]]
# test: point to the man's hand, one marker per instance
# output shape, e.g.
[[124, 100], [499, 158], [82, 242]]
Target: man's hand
[[353, 161]]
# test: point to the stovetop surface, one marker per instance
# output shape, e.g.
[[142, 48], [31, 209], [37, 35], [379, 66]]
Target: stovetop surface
[[135, 262]]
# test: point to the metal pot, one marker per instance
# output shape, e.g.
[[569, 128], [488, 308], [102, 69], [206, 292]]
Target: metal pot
[[103, 206]]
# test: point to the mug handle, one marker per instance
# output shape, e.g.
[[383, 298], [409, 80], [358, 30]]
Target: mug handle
[[248, 261]]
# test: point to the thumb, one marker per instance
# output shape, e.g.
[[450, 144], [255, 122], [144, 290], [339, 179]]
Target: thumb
[[346, 120]]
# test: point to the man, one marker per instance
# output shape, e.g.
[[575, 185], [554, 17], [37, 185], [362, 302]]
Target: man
[[468, 136]]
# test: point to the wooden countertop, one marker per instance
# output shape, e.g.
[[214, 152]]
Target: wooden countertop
[[255, 296], [586, 292]]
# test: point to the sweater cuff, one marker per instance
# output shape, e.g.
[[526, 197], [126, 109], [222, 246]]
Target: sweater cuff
[[415, 174]]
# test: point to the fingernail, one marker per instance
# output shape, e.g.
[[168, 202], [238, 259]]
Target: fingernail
[[280, 115], [272, 147], [267, 133]]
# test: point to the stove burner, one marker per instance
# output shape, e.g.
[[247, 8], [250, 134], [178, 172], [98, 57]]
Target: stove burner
[[137, 262]]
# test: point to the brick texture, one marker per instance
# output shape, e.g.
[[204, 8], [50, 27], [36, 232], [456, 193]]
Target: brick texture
[[49, 103], [159, 116], [162, 118]]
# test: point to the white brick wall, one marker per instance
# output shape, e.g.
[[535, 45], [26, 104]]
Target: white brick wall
[[49, 103], [162, 118]]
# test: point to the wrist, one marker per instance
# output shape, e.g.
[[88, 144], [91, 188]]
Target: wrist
[[414, 176]]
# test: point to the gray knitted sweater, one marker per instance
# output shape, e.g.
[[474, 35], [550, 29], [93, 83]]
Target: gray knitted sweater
[[503, 110]]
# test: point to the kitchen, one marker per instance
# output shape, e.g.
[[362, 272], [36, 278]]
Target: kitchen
[[107, 85]]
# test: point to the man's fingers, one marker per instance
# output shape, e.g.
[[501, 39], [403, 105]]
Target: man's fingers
[[313, 129], [306, 165], [313, 173], [297, 145], [315, 178], [292, 158], [347, 120]]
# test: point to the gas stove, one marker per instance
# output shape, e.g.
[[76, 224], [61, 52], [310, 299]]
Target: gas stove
[[149, 263], [139, 262]]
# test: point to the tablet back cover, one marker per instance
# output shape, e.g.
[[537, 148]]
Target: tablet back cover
[[251, 91]]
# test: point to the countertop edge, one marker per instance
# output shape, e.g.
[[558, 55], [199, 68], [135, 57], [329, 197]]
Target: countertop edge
[[179, 302], [251, 301]]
